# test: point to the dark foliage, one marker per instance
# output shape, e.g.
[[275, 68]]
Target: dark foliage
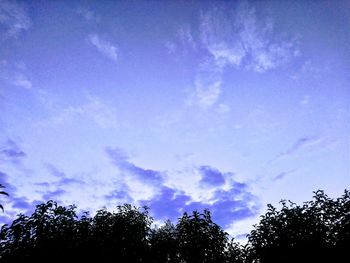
[[2, 193], [317, 231]]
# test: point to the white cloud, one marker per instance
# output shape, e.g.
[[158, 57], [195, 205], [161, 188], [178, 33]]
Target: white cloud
[[207, 85], [94, 110], [101, 113], [227, 55], [245, 41], [309, 70], [106, 48], [88, 14], [22, 81], [216, 33], [236, 39], [13, 18], [188, 181], [186, 38], [223, 108], [207, 93], [170, 46], [305, 144]]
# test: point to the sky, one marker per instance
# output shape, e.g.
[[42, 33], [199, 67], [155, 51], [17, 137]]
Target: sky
[[176, 105]]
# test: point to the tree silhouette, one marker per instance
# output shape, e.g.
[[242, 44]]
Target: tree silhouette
[[2, 193], [55, 231], [199, 239], [164, 246], [316, 231]]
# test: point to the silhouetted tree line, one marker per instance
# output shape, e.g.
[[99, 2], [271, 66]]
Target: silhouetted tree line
[[317, 231]]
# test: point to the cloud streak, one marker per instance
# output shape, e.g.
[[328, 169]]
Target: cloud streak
[[237, 39], [63, 179], [121, 160], [245, 41], [22, 81], [88, 14], [4, 180], [300, 144], [228, 199], [208, 85], [106, 48], [13, 18], [53, 195], [283, 174], [207, 95], [96, 110], [227, 206], [10, 151], [211, 176]]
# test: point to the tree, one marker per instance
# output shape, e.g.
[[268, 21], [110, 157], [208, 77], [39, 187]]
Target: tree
[[316, 231], [54, 231], [199, 239], [164, 246], [122, 235], [235, 253], [2, 193]]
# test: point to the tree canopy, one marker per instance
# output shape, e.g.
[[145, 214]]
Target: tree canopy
[[312, 232], [315, 231]]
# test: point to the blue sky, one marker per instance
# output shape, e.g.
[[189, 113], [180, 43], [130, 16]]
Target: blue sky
[[178, 105]]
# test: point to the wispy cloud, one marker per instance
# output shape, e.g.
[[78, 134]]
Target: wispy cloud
[[169, 203], [310, 70], [237, 39], [120, 196], [228, 199], [13, 18], [103, 114], [141, 183], [22, 81], [207, 93], [53, 195], [88, 14], [208, 85], [217, 37], [223, 108], [227, 206], [15, 203], [211, 176], [104, 47], [121, 160], [245, 41], [184, 42], [21, 203], [10, 151], [15, 74], [186, 38], [282, 175], [63, 179], [300, 144], [4, 180], [170, 46]]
